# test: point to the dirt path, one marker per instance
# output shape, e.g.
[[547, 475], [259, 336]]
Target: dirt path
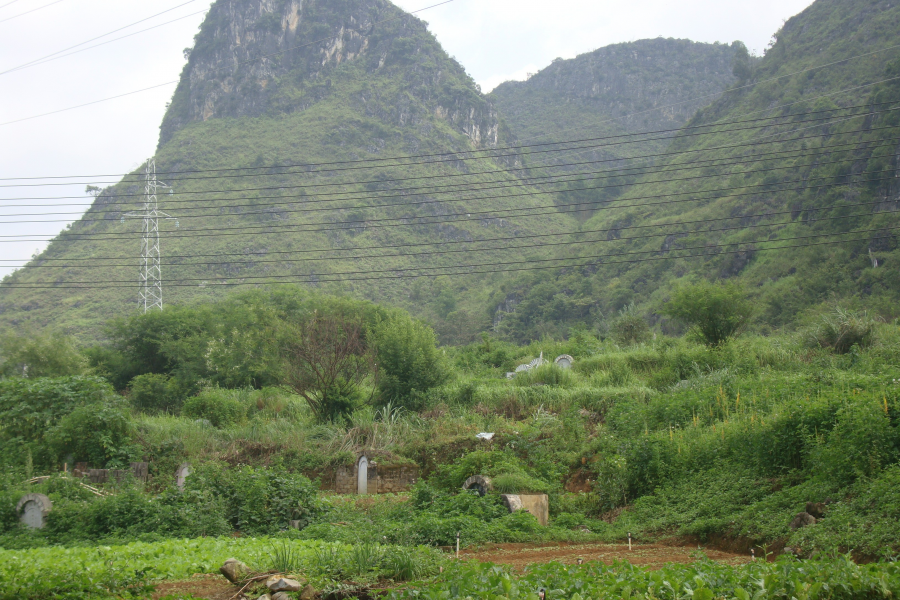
[[652, 556]]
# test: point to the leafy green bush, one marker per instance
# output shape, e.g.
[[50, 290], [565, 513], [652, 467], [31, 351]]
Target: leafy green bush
[[153, 393], [629, 327], [862, 442], [220, 407], [569, 520], [31, 408], [133, 514], [480, 462], [99, 434], [258, 501], [842, 329], [45, 355], [409, 362], [718, 311]]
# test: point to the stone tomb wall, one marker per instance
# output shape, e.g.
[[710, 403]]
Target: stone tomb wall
[[381, 480], [536, 504], [139, 470]]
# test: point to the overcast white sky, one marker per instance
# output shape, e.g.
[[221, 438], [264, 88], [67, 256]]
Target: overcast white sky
[[495, 40]]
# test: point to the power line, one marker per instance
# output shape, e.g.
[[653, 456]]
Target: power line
[[28, 12], [53, 112], [443, 251], [519, 182], [8, 3], [368, 222], [495, 268], [234, 66], [465, 155], [472, 187], [421, 244], [54, 56]]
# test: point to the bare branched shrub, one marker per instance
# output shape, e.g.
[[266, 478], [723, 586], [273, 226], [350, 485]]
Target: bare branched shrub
[[327, 362]]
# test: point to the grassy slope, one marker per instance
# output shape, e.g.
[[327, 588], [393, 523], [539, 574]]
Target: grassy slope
[[790, 281]]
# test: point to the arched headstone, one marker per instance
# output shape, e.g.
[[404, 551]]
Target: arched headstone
[[33, 510], [479, 483], [564, 361], [181, 475], [362, 476]]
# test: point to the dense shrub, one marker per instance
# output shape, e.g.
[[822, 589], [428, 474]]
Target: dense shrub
[[40, 356], [718, 311], [220, 407], [153, 393], [409, 362], [862, 442], [259, 501], [99, 434], [132, 514], [31, 408], [629, 327]]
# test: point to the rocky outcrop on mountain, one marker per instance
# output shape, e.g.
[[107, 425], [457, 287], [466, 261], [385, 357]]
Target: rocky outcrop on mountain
[[265, 57], [657, 83]]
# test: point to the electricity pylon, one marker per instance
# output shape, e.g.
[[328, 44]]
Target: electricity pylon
[[151, 273]]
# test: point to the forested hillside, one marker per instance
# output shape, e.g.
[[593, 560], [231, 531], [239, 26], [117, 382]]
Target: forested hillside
[[784, 184]]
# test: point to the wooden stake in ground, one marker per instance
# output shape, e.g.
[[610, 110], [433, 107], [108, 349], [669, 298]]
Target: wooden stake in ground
[[457, 545], [629, 542]]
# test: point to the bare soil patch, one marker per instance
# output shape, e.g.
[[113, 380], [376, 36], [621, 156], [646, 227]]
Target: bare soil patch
[[651, 556], [212, 587]]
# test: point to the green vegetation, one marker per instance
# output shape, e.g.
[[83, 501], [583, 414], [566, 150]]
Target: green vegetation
[[729, 440], [128, 571], [719, 387], [719, 312], [838, 578], [791, 207]]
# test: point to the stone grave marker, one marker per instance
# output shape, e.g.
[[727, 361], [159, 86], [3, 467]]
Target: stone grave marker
[[362, 476], [33, 510], [181, 475]]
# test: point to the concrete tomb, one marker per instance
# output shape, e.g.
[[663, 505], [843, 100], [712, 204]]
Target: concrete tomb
[[33, 510], [536, 504], [368, 477], [479, 483], [564, 361]]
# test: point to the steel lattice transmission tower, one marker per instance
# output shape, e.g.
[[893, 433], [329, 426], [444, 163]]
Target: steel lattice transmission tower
[[151, 273]]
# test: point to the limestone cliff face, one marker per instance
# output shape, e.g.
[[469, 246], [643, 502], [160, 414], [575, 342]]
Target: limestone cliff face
[[659, 83], [264, 57]]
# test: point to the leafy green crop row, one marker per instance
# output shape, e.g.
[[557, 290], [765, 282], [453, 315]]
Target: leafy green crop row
[[130, 570], [788, 579]]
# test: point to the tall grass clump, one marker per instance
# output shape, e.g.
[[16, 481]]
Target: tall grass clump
[[843, 329], [549, 374]]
